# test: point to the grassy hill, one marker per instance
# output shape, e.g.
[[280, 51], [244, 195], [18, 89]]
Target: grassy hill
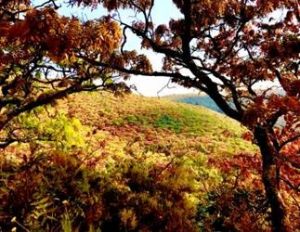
[[159, 124], [95, 161]]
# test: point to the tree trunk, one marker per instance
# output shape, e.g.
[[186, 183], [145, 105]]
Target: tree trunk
[[269, 177]]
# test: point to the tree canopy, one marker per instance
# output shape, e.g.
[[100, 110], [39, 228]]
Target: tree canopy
[[40, 55], [227, 49]]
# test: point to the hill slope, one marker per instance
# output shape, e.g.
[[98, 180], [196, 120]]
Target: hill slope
[[96, 161], [162, 123]]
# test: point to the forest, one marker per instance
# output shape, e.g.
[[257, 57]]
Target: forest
[[80, 150]]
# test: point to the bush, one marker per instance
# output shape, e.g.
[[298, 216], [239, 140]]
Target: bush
[[60, 184]]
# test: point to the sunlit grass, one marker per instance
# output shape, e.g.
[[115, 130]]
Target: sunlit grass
[[160, 124]]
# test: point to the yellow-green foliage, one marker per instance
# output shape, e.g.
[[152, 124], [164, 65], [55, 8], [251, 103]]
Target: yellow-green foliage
[[100, 162], [53, 127]]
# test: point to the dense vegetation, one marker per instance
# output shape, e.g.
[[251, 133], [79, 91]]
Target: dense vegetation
[[97, 161], [68, 170]]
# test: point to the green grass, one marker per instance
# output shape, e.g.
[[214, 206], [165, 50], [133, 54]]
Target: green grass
[[168, 122]]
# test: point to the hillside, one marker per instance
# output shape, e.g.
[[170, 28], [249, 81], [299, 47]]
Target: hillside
[[162, 123], [95, 161]]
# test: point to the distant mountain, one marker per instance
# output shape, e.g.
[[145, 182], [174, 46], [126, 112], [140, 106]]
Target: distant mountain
[[205, 101]]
